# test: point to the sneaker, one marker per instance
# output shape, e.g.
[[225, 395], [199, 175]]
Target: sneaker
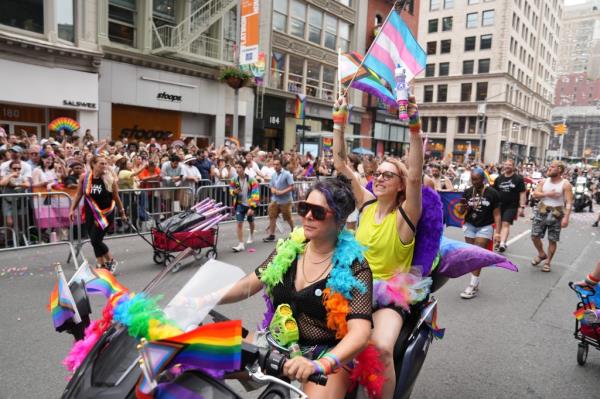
[[239, 248], [111, 266], [502, 247], [250, 240], [270, 238], [595, 224], [470, 292]]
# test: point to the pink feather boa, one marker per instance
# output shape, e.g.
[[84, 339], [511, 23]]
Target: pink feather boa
[[403, 289]]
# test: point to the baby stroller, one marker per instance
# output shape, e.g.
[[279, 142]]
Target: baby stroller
[[587, 333]]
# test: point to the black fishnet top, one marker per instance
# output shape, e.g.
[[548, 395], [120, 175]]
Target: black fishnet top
[[307, 304]]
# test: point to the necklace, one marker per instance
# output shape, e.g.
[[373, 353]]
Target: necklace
[[478, 198], [320, 261], [320, 275]]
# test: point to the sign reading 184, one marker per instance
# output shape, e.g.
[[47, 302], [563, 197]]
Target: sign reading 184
[[274, 120]]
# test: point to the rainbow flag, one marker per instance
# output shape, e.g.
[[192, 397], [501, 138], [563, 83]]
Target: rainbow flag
[[366, 80], [395, 45], [62, 305], [104, 283], [300, 106]]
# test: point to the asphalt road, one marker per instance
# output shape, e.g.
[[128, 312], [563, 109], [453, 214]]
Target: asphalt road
[[512, 341]]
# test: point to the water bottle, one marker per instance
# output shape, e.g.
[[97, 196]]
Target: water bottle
[[401, 93]]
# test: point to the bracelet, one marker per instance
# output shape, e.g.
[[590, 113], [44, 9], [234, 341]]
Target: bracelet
[[327, 367], [318, 367], [592, 278], [337, 126], [590, 282], [334, 358]]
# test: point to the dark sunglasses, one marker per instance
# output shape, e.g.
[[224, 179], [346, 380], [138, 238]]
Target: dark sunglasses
[[16, 168], [386, 175], [317, 211]]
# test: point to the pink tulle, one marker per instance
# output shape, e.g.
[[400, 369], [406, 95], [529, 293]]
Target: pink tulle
[[369, 372], [403, 289], [81, 348]]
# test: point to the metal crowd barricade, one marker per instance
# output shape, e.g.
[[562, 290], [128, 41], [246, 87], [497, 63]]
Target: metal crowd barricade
[[35, 219]]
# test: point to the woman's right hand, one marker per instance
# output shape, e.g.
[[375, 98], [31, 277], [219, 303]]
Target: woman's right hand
[[298, 368]]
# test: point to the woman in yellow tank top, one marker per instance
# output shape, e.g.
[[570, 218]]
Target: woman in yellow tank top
[[387, 230]]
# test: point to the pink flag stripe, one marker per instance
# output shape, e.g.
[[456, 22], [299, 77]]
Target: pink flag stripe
[[396, 40]]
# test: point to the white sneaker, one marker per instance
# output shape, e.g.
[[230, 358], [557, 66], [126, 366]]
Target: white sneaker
[[250, 240], [239, 248], [470, 292]]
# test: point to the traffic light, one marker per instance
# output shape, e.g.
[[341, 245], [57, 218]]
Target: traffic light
[[560, 129]]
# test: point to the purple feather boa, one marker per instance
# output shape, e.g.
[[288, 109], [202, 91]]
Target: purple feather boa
[[269, 312], [430, 230]]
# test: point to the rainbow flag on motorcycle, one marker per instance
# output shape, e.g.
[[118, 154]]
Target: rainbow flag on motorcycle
[[62, 305], [98, 281], [450, 202]]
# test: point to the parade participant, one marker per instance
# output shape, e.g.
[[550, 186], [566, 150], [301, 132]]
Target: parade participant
[[591, 316], [281, 185], [511, 188], [482, 212], [246, 196], [321, 273], [387, 229], [100, 191], [554, 209], [440, 182]]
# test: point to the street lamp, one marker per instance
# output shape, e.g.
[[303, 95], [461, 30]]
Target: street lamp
[[481, 109]]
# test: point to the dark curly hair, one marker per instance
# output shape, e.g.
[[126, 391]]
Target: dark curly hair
[[339, 196]]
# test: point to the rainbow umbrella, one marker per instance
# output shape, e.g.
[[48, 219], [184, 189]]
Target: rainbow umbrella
[[70, 125]]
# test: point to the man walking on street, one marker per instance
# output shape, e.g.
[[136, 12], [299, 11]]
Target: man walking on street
[[511, 188], [282, 184], [556, 200], [246, 196]]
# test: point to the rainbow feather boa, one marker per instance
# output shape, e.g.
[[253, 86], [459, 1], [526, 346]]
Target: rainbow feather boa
[[403, 289], [368, 371]]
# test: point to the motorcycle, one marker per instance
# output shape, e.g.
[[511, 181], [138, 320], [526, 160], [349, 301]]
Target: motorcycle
[[582, 195], [111, 369]]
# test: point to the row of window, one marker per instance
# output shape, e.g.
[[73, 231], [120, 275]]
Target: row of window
[[433, 25], [485, 43], [29, 16], [487, 19], [481, 90], [299, 75], [434, 124], [309, 23], [468, 68], [435, 5]]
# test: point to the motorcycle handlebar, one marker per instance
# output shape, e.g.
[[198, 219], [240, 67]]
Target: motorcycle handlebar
[[272, 363]]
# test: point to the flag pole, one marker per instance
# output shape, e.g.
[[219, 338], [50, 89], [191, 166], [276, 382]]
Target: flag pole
[[399, 6]]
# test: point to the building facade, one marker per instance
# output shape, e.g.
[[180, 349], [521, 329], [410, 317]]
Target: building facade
[[489, 77], [49, 64], [582, 139], [300, 41]]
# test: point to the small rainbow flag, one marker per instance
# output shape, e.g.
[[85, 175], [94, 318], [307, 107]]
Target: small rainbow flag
[[431, 321], [62, 305], [68, 124], [300, 106], [580, 313], [104, 283]]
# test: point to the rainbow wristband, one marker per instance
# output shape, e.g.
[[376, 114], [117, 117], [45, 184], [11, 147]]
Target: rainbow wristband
[[335, 359], [319, 369], [340, 115], [414, 123]]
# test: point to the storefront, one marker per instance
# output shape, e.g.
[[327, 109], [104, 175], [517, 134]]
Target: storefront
[[390, 134], [435, 149], [465, 150], [34, 95], [168, 106], [269, 131]]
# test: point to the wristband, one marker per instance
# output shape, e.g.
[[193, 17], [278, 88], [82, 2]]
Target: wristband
[[414, 123], [318, 367], [327, 367], [334, 358], [337, 126], [340, 115], [593, 279]]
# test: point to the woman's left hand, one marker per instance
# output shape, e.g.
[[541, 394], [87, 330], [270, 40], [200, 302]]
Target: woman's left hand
[[298, 368]]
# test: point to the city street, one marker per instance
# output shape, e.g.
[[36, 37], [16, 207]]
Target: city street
[[514, 340]]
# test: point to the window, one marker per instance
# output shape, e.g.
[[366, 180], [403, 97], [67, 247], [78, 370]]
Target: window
[[462, 123], [315, 23], [277, 70], [465, 91], [487, 18], [121, 21], [442, 93], [472, 20], [485, 42], [27, 15], [446, 24], [431, 47], [298, 18], [472, 124], [295, 74], [448, 4], [445, 46], [470, 43], [429, 70], [280, 11], [471, 2], [481, 92], [428, 93], [444, 69], [328, 83], [425, 123], [313, 76], [347, 3], [330, 32], [433, 25], [434, 5], [468, 67], [434, 124], [484, 66], [163, 12], [65, 16], [443, 124], [344, 33]]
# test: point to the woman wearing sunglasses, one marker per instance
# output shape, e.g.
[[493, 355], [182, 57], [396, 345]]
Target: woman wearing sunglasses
[[321, 274], [387, 230]]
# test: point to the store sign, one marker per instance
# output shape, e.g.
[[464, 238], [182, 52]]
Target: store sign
[[81, 104], [168, 97], [142, 124], [249, 32], [139, 134]]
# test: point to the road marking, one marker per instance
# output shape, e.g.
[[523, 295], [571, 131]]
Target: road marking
[[517, 238]]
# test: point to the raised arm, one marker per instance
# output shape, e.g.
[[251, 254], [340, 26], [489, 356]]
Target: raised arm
[[412, 205], [340, 156]]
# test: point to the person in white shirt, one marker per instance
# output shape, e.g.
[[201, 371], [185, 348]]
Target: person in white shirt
[[15, 155], [191, 176], [252, 169], [268, 170]]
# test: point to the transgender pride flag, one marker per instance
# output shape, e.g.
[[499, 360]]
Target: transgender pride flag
[[395, 45]]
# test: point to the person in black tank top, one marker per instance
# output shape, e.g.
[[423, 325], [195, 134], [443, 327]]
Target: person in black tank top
[[101, 196]]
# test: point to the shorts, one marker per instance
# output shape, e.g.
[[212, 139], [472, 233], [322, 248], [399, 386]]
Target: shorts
[[478, 232], [548, 222], [240, 214], [508, 215], [275, 209]]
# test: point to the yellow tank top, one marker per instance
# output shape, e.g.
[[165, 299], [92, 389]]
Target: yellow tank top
[[386, 254]]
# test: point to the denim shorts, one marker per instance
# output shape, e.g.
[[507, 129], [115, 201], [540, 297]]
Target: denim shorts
[[478, 232], [240, 213]]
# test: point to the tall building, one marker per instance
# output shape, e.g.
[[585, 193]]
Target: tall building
[[49, 63], [300, 40], [490, 76], [159, 75]]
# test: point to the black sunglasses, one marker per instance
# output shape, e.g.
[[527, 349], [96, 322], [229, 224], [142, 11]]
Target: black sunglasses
[[386, 175], [317, 211], [16, 168]]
